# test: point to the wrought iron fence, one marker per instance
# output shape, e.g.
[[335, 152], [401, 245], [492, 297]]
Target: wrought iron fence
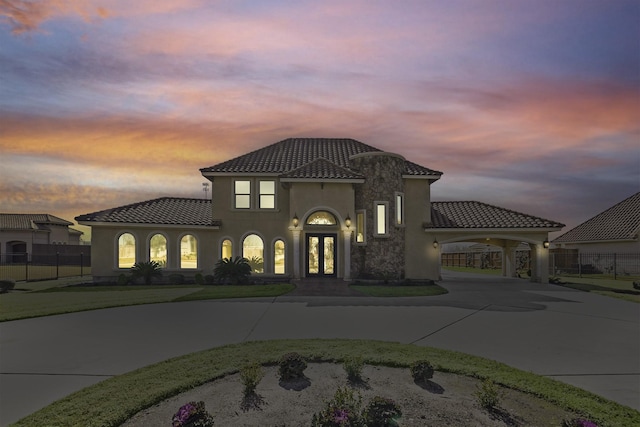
[[34, 267], [594, 264], [484, 259]]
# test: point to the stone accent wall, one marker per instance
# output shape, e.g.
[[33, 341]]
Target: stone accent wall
[[380, 256]]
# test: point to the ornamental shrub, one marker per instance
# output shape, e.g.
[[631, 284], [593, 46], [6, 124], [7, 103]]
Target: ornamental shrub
[[147, 270], [421, 371], [6, 286], [235, 271], [192, 414], [176, 278], [579, 422], [343, 410], [488, 394], [291, 367], [381, 412], [250, 375], [199, 279], [123, 279], [353, 367]]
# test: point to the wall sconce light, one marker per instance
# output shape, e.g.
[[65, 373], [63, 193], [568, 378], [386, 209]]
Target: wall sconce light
[[435, 243], [545, 244], [347, 221], [296, 221]]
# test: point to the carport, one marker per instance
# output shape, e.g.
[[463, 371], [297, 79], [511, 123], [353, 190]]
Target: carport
[[483, 223]]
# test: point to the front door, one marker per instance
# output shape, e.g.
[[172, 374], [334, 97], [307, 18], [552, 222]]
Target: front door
[[321, 254]]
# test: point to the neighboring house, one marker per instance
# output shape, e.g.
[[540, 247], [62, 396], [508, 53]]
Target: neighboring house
[[310, 207], [614, 231], [20, 232]]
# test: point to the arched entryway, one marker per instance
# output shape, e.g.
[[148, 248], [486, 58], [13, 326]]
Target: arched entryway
[[322, 245]]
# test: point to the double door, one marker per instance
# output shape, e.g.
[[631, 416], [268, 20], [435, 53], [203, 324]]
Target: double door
[[321, 255]]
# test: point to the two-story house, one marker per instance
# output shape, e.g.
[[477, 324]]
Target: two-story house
[[310, 207]]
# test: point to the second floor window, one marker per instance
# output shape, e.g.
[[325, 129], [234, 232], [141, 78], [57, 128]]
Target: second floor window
[[267, 195], [243, 195]]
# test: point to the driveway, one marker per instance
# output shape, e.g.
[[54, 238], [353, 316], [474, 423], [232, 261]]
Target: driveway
[[583, 339]]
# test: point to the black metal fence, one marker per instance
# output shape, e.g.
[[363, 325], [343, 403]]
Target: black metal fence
[[484, 259], [571, 262], [562, 262], [45, 266]]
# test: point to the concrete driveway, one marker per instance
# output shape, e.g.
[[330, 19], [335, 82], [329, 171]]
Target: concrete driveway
[[583, 339]]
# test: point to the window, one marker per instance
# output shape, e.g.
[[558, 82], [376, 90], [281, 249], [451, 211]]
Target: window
[[278, 257], [242, 193], [267, 195], [253, 250], [399, 209], [380, 221], [227, 249], [126, 250], [188, 252], [158, 249], [321, 218], [360, 226]]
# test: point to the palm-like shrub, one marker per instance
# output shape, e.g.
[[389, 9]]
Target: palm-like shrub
[[147, 270], [235, 270]]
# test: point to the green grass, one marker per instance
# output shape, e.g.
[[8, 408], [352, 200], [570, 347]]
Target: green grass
[[46, 302], [400, 291], [114, 400], [621, 289]]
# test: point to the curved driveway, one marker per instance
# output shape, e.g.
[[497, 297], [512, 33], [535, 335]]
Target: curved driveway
[[583, 339]]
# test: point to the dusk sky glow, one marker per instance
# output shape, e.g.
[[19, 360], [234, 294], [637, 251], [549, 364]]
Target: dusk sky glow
[[532, 105]]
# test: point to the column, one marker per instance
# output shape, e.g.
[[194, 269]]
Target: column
[[296, 252], [347, 254]]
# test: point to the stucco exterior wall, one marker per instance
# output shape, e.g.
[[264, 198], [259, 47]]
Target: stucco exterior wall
[[104, 249], [421, 258]]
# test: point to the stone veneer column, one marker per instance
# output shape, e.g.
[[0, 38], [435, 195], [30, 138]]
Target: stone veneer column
[[383, 179]]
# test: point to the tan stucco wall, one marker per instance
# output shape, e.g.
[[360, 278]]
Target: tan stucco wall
[[610, 247], [422, 259], [104, 249]]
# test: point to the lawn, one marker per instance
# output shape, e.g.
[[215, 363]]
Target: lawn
[[22, 305], [113, 401], [621, 289]]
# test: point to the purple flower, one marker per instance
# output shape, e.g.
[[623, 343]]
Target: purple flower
[[341, 416], [184, 413], [581, 422]]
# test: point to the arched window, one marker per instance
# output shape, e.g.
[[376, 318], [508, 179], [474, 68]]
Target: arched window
[[253, 250], [188, 252], [227, 249], [321, 218], [126, 250], [158, 249], [278, 257]]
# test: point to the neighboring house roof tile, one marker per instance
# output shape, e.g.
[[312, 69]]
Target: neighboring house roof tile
[[16, 222], [294, 153], [619, 222], [321, 169], [165, 211], [472, 214]]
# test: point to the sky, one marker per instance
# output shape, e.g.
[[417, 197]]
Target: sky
[[532, 105]]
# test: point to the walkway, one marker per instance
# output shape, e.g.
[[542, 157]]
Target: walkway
[[579, 338]]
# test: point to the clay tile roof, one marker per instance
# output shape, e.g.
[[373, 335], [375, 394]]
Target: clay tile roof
[[619, 222], [294, 153], [472, 214], [165, 211], [322, 169], [29, 221]]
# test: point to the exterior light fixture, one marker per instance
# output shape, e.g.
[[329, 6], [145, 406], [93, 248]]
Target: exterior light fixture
[[296, 221], [546, 244], [347, 221], [435, 243]]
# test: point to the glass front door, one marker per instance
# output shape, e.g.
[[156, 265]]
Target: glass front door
[[321, 254]]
